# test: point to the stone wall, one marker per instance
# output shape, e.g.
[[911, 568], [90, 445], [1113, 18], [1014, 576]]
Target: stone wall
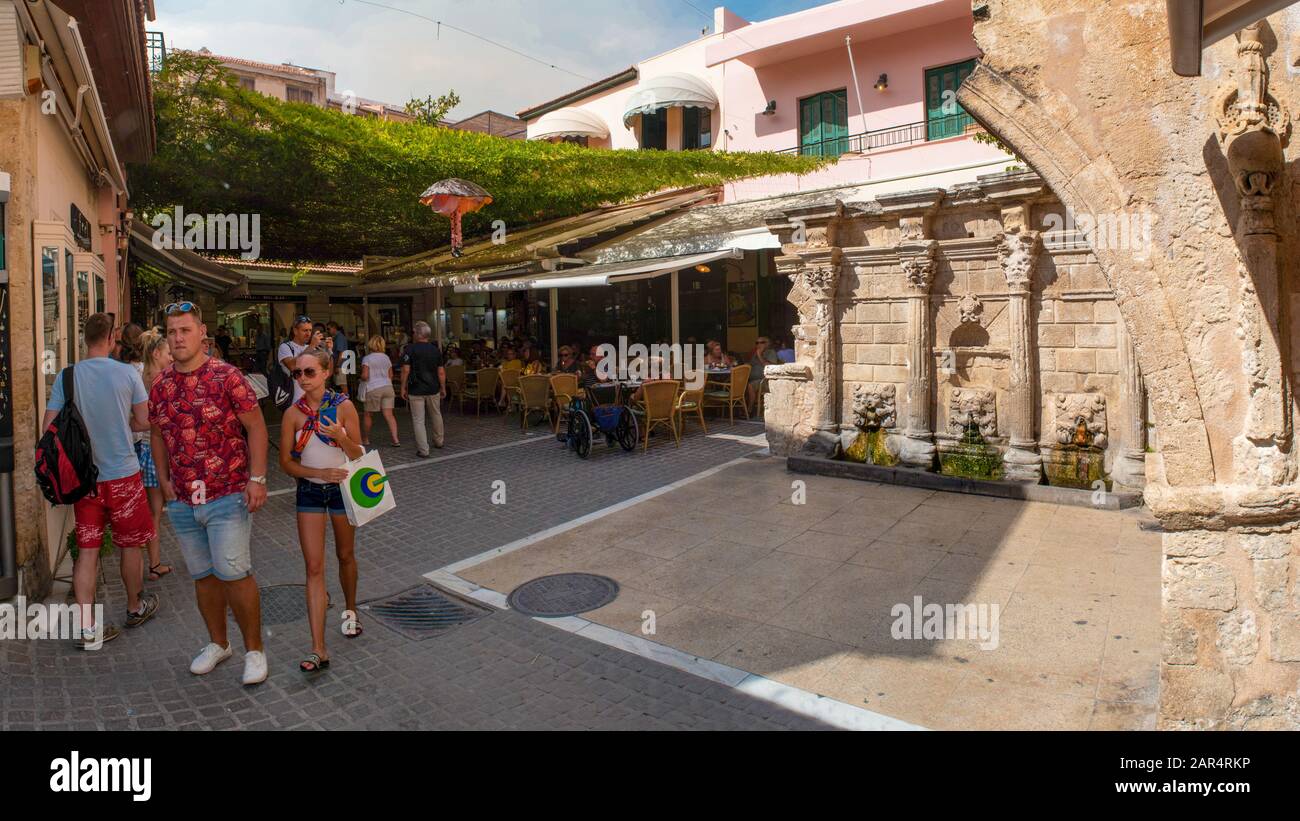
[[1085, 94], [925, 274]]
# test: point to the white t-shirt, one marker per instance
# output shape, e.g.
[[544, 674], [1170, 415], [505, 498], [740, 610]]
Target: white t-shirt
[[290, 350], [381, 371]]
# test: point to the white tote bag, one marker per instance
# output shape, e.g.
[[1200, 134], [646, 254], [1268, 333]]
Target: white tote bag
[[366, 492]]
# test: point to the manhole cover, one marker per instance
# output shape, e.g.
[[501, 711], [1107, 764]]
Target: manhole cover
[[422, 612], [285, 603], [564, 594]]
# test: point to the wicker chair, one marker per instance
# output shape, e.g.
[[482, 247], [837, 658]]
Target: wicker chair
[[658, 407], [730, 396], [510, 389], [564, 386], [534, 395], [455, 383], [690, 402], [484, 391]]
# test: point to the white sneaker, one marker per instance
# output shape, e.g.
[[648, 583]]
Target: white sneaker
[[207, 661], [254, 667]]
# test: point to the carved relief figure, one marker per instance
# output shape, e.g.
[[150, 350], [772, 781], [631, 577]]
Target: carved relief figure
[[1081, 416], [971, 308], [979, 404], [873, 406], [1018, 254]]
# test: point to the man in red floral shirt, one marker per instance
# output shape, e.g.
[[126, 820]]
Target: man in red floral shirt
[[208, 435]]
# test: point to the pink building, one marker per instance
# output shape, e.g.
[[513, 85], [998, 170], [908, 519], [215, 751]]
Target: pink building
[[870, 81]]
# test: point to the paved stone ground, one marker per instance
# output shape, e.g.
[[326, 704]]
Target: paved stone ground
[[503, 671], [805, 594]]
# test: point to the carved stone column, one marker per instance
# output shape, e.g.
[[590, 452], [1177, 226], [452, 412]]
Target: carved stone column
[[1253, 128], [1018, 253], [1130, 463], [918, 261], [820, 281]]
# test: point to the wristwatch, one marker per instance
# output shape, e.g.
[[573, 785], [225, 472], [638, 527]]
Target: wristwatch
[[261, 480]]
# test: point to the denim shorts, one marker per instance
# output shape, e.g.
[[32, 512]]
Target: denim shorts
[[214, 537], [316, 498]]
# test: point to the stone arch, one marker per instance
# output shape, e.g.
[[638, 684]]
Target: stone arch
[[1088, 185]]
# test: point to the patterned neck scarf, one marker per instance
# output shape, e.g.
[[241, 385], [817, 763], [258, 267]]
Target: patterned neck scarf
[[329, 409]]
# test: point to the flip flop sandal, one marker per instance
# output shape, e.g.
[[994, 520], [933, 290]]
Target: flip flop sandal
[[155, 574], [313, 664], [356, 630]]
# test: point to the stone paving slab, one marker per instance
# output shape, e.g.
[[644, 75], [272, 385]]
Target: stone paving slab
[[804, 594], [503, 671]]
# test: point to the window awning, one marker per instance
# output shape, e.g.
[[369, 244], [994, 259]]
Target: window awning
[[596, 275], [677, 90], [187, 266], [568, 122]]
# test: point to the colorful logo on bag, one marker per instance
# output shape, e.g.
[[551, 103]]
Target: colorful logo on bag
[[367, 487]]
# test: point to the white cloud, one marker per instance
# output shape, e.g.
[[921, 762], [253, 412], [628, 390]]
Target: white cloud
[[389, 56]]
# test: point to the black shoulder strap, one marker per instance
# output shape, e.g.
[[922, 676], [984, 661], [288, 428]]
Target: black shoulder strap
[[68, 389]]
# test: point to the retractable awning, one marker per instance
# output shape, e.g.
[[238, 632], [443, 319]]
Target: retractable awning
[[568, 122], [677, 90], [186, 265], [597, 275]]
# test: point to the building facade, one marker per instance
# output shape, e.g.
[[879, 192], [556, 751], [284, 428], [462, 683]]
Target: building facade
[[75, 107]]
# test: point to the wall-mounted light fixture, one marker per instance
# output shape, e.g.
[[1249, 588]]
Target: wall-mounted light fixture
[[703, 269], [771, 108], [882, 83]]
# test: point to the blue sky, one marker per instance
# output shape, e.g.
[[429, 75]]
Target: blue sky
[[391, 56]]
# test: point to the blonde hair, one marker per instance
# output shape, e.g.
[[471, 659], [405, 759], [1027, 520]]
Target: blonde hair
[[321, 356], [151, 341], [377, 344]]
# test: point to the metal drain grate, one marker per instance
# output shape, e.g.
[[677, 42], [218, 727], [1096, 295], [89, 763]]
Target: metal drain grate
[[564, 594], [423, 612], [285, 603]]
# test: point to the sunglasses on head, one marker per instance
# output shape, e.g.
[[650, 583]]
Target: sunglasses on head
[[179, 308], [299, 373]]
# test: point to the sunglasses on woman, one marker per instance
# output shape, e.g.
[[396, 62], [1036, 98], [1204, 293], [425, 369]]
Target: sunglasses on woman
[[299, 373]]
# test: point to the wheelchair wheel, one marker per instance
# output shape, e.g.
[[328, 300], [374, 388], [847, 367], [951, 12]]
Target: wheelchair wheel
[[580, 434], [627, 430]]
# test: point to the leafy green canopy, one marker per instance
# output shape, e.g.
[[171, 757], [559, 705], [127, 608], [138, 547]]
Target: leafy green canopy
[[329, 185]]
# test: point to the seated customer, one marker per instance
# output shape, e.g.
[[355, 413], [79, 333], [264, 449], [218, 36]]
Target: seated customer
[[760, 358], [568, 363], [509, 361]]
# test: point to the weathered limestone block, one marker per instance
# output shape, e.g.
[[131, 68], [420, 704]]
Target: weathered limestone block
[[1238, 637], [1179, 640], [1190, 697], [1200, 544], [1271, 582], [788, 409], [1199, 584], [1284, 640]]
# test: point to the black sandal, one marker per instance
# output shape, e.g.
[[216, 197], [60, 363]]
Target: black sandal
[[313, 664], [155, 574]]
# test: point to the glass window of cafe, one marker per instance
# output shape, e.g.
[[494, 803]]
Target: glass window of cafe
[[640, 310]]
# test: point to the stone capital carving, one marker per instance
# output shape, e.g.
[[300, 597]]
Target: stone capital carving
[[1018, 255], [874, 406], [818, 281], [978, 404], [970, 307], [1253, 127], [919, 260]]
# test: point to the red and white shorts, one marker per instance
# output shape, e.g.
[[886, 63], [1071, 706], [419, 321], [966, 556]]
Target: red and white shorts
[[121, 503]]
